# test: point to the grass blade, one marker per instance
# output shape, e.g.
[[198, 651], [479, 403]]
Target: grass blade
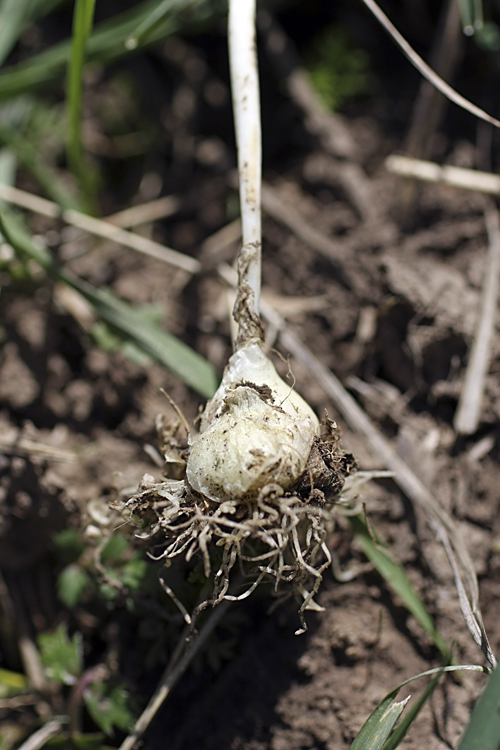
[[395, 576], [15, 15], [12, 17], [471, 14], [106, 44], [483, 732], [379, 724], [149, 23], [82, 25], [173, 354], [400, 732], [379, 721]]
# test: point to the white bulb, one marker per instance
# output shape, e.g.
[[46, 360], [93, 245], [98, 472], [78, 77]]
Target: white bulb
[[255, 431]]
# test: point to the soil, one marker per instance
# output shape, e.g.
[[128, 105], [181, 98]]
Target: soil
[[393, 317]]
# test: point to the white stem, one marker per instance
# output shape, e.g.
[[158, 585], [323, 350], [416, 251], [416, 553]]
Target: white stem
[[246, 105]]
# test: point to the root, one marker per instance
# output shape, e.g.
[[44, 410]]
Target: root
[[275, 536]]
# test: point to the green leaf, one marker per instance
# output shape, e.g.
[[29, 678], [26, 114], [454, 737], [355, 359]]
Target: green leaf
[[180, 359], [401, 731], [379, 724], [61, 655], [483, 732], [72, 584], [105, 338], [376, 729], [115, 547], [109, 707], [15, 15], [338, 71], [395, 576], [69, 545], [108, 593], [133, 574], [12, 683], [108, 340]]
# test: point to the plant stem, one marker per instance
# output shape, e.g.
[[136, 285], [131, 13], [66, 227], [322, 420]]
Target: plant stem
[[246, 107]]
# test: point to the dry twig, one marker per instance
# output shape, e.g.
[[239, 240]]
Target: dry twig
[[161, 208], [467, 179], [19, 446], [43, 735], [100, 228]]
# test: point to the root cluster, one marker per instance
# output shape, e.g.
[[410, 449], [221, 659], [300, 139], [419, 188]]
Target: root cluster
[[276, 536]]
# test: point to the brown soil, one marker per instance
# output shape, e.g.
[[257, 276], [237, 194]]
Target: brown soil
[[398, 312]]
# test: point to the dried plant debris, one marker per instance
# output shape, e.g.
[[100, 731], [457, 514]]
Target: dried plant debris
[[253, 490]]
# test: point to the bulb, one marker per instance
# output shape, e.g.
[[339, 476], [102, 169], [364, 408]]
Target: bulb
[[256, 431]]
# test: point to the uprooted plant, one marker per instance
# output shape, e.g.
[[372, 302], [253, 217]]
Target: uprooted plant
[[255, 486]]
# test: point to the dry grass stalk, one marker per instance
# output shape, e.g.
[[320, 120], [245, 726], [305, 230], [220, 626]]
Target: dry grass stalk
[[100, 228], [468, 414], [43, 735], [425, 70], [466, 179]]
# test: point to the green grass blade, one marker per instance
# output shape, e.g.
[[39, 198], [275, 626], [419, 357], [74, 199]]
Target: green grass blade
[[147, 26], [483, 732], [12, 683], [173, 354], [15, 16], [379, 724], [400, 732], [106, 44], [8, 166], [376, 726], [82, 25], [471, 15], [185, 363], [395, 576]]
